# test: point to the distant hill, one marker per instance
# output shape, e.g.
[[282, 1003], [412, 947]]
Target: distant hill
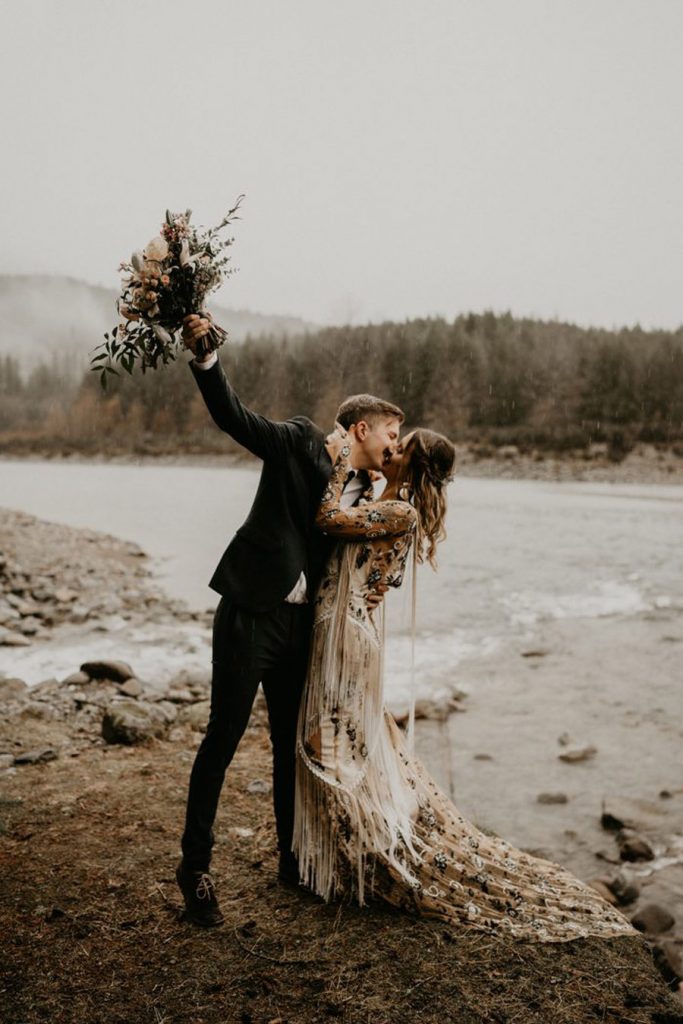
[[46, 316]]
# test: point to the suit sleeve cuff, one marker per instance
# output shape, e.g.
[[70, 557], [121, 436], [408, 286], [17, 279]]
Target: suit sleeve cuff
[[211, 361]]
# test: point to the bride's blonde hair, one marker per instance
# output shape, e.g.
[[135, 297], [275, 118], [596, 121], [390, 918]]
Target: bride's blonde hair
[[432, 458]]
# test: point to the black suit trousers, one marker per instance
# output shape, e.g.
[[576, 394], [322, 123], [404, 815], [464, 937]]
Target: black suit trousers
[[248, 648]]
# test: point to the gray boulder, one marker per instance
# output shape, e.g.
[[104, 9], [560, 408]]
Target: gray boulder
[[116, 671], [131, 721]]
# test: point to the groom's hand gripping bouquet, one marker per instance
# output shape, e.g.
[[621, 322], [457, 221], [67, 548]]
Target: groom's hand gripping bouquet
[[161, 286]]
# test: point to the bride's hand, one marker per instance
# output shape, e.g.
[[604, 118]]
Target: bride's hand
[[335, 441]]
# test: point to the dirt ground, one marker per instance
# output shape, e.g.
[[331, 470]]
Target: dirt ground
[[92, 926]]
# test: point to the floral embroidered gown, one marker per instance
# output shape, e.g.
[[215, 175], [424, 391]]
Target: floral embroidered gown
[[369, 820]]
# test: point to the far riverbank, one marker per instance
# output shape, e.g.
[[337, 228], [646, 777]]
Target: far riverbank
[[645, 463]]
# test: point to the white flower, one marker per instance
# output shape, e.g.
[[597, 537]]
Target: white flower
[[157, 249]]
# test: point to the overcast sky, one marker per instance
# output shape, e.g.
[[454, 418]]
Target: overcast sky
[[399, 159]]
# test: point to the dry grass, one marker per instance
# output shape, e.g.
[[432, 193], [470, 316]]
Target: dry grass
[[92, 927]]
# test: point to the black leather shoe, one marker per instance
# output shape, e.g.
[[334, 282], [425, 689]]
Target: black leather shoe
[[201, 905]]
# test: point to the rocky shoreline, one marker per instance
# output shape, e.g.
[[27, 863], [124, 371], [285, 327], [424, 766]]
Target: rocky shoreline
[[88, 756], [53, 575]]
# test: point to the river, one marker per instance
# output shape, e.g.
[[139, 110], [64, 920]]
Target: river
[[518, 553]]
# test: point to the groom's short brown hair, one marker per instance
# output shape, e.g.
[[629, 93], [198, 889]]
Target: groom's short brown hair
[[368, 408]]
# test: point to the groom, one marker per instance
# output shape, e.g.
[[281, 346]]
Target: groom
[[267, 578]]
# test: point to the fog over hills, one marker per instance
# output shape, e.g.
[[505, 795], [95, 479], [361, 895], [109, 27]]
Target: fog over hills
[[50, 317]]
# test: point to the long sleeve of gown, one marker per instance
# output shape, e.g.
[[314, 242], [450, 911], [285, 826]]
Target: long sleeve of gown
[[373, 519]]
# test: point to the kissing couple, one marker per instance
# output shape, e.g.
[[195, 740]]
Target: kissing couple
[[357, 814]]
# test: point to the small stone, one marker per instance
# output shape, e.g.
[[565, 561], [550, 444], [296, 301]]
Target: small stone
[[259, 787], [578, 754], [6, 761], [564, 739], [633, 847], [653, 919], [78, 613], [26, 608], [38, 710], [626, 890], [169, 710], [483, 757], [64, 595], [611, 823], [601, 886], [30, 626], [181, 697], [8, 638], [76, 679], [12, 688], [131, 688], [552, 798], [242, 833], [36, 756], [115, 671], [196, 715]]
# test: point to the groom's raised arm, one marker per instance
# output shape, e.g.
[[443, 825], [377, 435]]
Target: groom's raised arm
[[263, 437]]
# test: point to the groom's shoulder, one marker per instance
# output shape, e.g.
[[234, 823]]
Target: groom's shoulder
[[311, 436], [307, 427]]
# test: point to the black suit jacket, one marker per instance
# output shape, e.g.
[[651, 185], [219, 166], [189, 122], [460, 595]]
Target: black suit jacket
[[278, 539]]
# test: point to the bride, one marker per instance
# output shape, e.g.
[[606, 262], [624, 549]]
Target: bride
[[369, 819]]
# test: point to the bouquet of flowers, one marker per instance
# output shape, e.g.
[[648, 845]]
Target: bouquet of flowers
[[169, 279]]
